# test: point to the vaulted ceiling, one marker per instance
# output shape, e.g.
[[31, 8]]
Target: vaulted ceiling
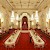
[[24, 4]]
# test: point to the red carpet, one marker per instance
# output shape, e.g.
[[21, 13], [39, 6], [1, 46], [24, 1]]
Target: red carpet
[[4, 38], [25, 44], [45, 38]]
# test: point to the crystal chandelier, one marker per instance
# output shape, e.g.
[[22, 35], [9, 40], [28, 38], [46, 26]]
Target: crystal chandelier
[[12, 17], [36, 16], [17, 17], [32, 17]]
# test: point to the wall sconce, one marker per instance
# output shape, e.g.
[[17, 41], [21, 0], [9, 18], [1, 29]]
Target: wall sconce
[[12, 17], [11, 27], [47, 18], [32, 23], [0, 15], [32, 17], [49, 14], [2, 20], [36, 14], [12, 14], [36, 17], [37, 20], [17, 17], [16, 23]]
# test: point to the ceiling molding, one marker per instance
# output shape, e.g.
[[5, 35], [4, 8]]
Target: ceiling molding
[[21, 3], [45, 7], [9, 4], [39, 11], [40, 4], [3, 7], [25, 9], [28, 3]]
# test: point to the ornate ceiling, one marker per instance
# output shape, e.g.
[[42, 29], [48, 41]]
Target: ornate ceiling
[[24, 4]]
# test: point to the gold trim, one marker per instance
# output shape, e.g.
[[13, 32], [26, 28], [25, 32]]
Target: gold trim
[[24, 9], [24, 12]]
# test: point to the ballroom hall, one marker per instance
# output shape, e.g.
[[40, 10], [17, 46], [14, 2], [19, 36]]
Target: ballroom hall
[[24, 24]]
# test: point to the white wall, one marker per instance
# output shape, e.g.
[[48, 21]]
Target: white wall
[[42, 17]]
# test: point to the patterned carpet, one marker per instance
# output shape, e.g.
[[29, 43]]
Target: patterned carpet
[[25, 44]]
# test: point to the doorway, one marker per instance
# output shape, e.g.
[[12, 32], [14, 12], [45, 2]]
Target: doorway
[[24, 23]]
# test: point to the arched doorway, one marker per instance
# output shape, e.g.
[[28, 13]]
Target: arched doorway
[[28, 19], [24, 23]]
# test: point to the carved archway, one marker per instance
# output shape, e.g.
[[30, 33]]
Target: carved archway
[[28, 17], [24, 23]]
